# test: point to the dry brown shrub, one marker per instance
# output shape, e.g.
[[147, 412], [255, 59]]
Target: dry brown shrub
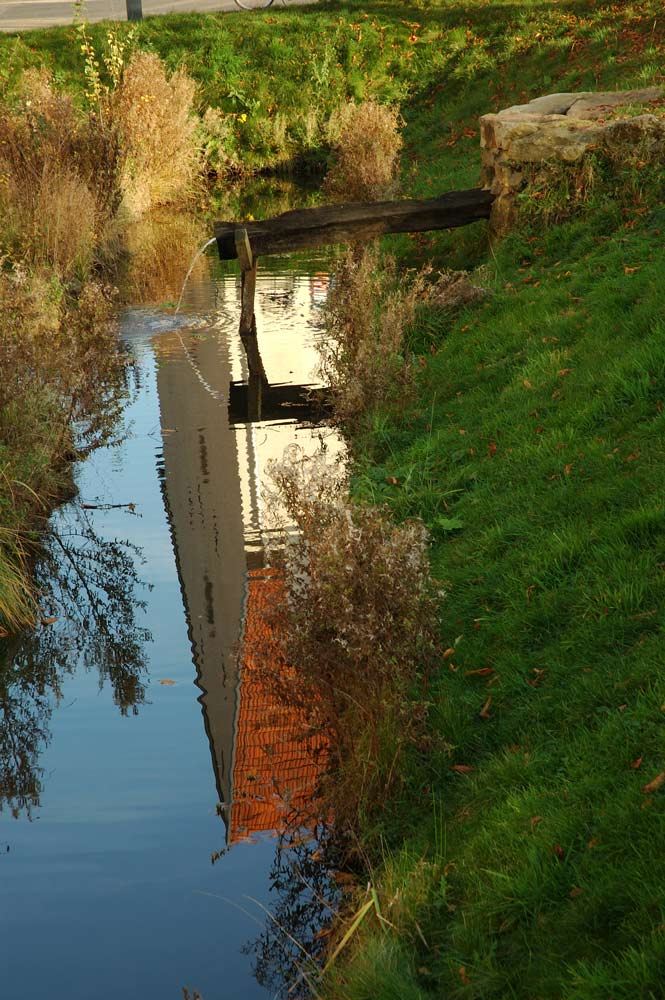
[[456, 289], [366, 146], [356, 634], [161, 246], [60, 368], [58, 179], [153, 115], [368, 311]]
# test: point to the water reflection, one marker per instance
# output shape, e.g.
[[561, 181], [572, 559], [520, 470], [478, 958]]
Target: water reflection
[[215, 452], [90, 599], [128, 826], [288, 951], [219, 433]]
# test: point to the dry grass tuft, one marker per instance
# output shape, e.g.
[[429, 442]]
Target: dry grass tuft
[[58, 179], [366, 146], [161, 246], [357, 628], [456, 289], [368, 311], [154, 118]]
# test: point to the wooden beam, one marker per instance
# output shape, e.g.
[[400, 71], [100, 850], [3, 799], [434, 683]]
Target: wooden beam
[[359, 221], [243, 249], [248, 333]]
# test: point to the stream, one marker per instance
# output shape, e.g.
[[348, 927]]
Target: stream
[[145, 774]]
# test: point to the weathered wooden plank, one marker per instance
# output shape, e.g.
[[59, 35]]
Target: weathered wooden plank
[[312, 227], [243, 249], [248, 333], [248, 284]]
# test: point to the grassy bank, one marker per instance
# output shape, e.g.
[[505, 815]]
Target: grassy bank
[[523, 858]]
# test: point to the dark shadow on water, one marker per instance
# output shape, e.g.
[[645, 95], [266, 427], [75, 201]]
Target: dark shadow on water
[[277, 403]]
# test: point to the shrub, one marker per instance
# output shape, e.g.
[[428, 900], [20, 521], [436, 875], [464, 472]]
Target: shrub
[[357, 629], [366, 147], [153, 116], [367, 314], [57, 165]]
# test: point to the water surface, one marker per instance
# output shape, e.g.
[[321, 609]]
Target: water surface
[[134, 748]]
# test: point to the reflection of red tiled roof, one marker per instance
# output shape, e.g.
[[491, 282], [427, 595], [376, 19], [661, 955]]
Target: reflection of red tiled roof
[[275, 769]]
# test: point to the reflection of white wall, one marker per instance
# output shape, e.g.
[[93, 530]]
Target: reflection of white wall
[[204, 508], [215, 475]]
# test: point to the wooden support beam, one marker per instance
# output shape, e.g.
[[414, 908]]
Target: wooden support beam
[[359, 221], [248, 333], [243, 249]]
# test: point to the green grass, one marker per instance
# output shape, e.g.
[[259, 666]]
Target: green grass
[[540, 428], [447, 62]]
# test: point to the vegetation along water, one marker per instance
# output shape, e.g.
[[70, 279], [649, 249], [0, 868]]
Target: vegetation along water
[[500, 803]]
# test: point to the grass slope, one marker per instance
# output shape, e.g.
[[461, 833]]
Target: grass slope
[[526, 860]]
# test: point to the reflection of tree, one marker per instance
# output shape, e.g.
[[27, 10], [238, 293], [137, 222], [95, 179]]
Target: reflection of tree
[[91, 584], [289, 950], [26, 694]]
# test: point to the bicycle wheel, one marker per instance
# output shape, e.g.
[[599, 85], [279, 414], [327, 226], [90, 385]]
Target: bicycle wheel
[[253, 4]]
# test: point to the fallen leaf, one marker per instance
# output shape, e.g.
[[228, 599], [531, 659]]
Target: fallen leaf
[[462, 768], [484, 712], [480, 672], [565, 371], [636, 763], [448, 653], [567, 469], [630, 270], [166, 682], [654, 784], [49, 621], [575, 891], [463, 976], [593, 843], [559, 851], [535, 820], [527, 384], [632, 457]]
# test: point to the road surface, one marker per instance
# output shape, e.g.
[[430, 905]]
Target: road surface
[[21, 15]]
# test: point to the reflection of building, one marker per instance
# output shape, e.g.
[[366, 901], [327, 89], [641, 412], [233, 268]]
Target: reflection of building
[[213, 479], [274, 766]]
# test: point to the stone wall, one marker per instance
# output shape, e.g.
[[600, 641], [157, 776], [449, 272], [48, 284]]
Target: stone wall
[[562, 128]]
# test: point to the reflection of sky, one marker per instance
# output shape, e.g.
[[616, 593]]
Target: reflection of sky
[[109, 891]]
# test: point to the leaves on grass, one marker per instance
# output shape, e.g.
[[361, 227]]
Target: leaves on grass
[[463, 976], [485, 710], [462, 768], [480, 672], [653, 785]]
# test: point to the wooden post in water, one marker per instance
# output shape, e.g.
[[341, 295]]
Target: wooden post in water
[[248, 334]]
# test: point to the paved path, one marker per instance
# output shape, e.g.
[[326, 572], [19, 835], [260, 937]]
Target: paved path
[[20, 15]]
